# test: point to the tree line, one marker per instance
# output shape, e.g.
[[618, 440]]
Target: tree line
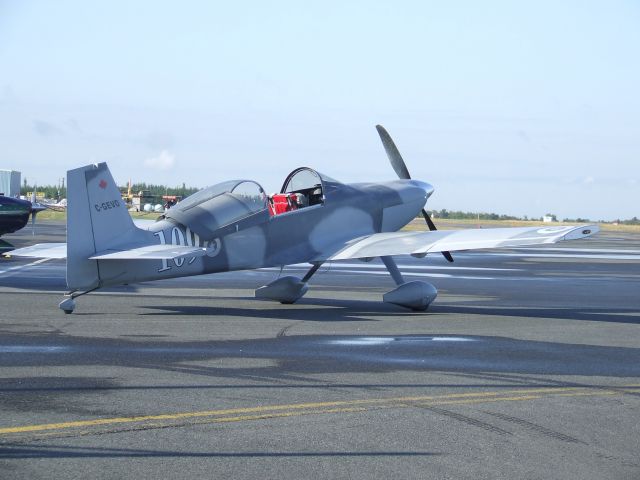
[[50, 191], [460, 215], [159, 190], [60, 191]]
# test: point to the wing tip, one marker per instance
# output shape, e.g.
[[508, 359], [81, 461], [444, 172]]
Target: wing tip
[[582, 231]]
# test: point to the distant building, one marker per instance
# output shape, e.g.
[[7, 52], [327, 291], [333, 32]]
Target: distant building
[[10, 183], [549, 218]]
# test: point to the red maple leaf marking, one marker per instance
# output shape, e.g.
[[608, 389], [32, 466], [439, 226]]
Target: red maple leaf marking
[[102, 184]]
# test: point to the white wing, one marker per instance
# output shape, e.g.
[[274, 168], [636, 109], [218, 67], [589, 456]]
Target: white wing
[[421, 243], [150, 252], [41, 250]]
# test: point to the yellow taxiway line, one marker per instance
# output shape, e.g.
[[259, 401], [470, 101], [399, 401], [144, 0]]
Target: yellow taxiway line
[[340, 406]]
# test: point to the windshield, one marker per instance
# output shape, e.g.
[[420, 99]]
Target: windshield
[[301, 180]]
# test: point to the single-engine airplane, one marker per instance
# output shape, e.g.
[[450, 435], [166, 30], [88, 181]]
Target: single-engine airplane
[[14, 215], [235, 226]]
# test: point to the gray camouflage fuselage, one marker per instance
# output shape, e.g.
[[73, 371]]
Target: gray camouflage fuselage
[[258, 240]]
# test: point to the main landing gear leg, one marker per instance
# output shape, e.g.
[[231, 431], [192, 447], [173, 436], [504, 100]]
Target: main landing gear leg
[[415, 295], [287, 289], [311, 271], [68, 305]]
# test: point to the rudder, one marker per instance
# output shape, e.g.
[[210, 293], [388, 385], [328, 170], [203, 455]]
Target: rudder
[[97, 220]]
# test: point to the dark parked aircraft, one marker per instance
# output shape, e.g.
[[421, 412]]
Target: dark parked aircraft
[[14, 214]]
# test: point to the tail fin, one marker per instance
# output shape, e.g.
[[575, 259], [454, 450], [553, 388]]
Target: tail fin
[[97, 220]]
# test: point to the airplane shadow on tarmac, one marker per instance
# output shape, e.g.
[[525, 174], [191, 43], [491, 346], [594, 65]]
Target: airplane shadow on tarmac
[[18, 451], [292, 358], [350, 310], [330, 311]]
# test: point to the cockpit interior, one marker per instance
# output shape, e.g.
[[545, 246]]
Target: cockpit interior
[[301, 189]]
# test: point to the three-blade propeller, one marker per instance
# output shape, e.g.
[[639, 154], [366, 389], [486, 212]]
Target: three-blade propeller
[[401, 170]]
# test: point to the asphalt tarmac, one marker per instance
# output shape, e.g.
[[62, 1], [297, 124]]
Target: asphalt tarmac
[[526, 366]]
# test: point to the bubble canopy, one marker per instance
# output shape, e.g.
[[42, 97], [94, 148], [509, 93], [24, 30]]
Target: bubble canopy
[[212, 208], [245, 190]]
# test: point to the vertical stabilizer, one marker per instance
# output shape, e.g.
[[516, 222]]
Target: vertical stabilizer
[[97, 220]]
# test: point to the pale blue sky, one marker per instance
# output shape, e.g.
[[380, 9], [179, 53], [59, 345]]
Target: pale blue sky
[[512, 107]]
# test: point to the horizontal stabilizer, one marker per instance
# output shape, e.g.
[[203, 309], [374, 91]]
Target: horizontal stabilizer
[[151, 252], [422, 243], [143, 223], [41, 250]]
